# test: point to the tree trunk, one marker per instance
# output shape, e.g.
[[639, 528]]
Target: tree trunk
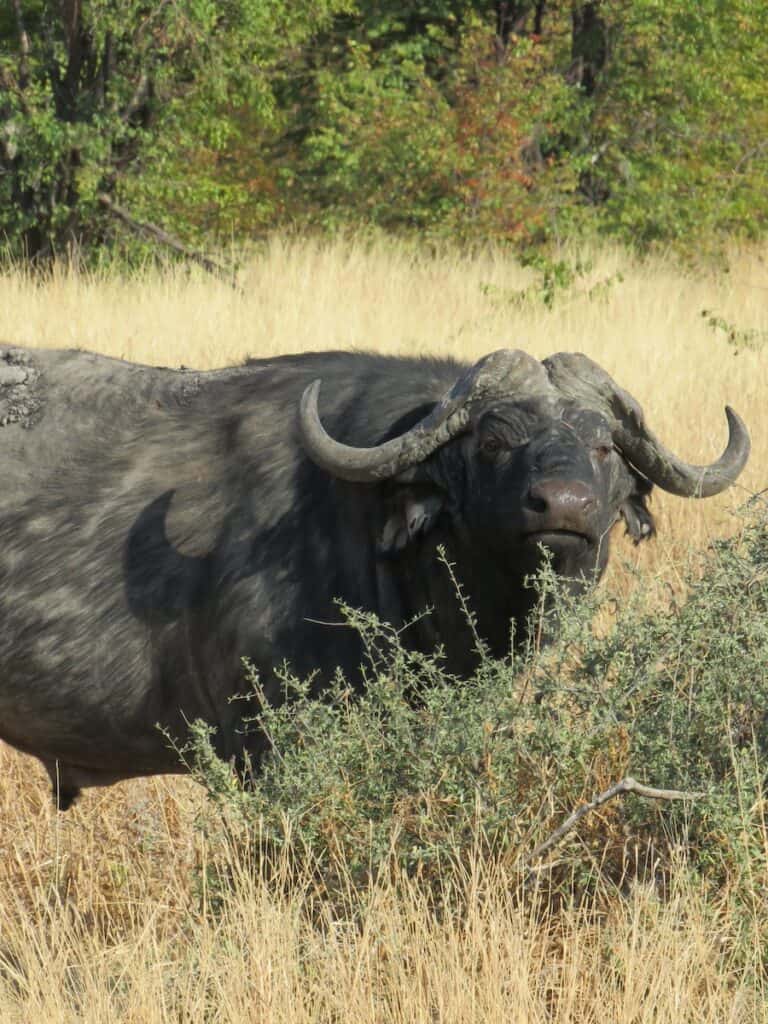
[[589, 49]]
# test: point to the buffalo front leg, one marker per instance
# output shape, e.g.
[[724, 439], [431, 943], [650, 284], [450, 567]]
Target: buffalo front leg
[[65, 789]]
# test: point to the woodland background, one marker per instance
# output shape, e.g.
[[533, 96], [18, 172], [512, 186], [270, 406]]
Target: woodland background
[[522, 123]]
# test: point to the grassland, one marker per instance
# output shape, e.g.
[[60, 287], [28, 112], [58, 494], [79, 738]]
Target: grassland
[[106, 913]]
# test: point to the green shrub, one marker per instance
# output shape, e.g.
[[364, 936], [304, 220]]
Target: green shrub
[[425, 768]]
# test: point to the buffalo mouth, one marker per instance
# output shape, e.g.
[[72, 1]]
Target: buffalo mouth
[[559, 539]]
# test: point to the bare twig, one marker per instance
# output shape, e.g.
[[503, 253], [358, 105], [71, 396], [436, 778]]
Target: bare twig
[[481, 647], [627, 785], [149, 230]]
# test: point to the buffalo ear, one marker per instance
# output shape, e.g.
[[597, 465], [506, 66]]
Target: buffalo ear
[[410, 512], [634, 511]]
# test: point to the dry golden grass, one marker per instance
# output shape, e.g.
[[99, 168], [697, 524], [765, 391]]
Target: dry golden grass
[[102, 917], [262, 957]]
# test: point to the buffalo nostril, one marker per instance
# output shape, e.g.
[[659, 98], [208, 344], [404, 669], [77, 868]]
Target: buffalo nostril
[[537, 501], [559, 496]]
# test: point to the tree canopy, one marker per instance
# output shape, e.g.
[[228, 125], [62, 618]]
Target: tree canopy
[[519, 122]]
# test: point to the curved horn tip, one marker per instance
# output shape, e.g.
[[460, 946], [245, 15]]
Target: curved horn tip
[[310, 394], [738, 435], [736, 423], [726, 470]]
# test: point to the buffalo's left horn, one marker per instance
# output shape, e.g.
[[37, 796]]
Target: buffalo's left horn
[[578, 377], [494, 376]]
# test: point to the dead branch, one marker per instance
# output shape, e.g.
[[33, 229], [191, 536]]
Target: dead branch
[[157, 234], [627, 785]]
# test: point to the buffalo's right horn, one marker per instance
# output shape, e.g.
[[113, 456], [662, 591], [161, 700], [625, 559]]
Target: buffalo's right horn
[[500, 374], [577, 376]]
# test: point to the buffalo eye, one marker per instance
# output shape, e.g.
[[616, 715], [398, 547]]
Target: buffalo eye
[[602, 451], [490, 446]]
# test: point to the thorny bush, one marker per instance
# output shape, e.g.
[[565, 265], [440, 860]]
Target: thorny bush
[[425, 770]]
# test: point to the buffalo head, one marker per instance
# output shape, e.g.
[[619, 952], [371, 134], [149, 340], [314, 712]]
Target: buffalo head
[[521, 453]]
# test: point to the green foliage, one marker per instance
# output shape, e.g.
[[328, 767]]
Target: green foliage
[[676, 147], [644, 121], [443, 132], [105, 97], [555, 279], [428, 769], [739, 338], [381, 146]]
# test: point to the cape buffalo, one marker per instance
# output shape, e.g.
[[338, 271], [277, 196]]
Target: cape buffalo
[[157, 525]]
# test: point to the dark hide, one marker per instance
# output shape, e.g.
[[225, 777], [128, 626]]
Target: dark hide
[[157, 526]]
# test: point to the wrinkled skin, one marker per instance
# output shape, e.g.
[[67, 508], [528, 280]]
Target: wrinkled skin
[[156, 527]]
